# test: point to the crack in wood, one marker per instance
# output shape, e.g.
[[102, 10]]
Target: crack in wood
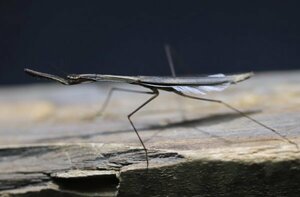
[[93, 168]]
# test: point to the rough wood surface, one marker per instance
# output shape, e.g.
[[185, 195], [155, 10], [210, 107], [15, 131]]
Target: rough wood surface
[[51, 143]]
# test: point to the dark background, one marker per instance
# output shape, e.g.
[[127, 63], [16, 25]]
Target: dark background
[[127, 37]]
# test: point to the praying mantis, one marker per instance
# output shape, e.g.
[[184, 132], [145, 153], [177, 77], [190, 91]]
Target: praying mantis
[[193, 87]]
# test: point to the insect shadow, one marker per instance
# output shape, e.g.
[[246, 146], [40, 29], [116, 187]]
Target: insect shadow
[[194, 123]]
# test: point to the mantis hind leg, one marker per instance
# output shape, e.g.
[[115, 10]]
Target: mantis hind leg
[[242, 114]]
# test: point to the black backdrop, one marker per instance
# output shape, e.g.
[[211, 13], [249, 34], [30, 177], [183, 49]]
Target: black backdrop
[[127, 37]]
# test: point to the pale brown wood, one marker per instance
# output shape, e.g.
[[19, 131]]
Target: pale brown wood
[[51, 142]]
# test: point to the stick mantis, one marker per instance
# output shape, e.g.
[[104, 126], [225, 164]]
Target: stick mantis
[[182, 86]]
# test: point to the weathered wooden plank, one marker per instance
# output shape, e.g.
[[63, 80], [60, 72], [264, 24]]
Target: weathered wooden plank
[[85, 169], [51, 143]]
